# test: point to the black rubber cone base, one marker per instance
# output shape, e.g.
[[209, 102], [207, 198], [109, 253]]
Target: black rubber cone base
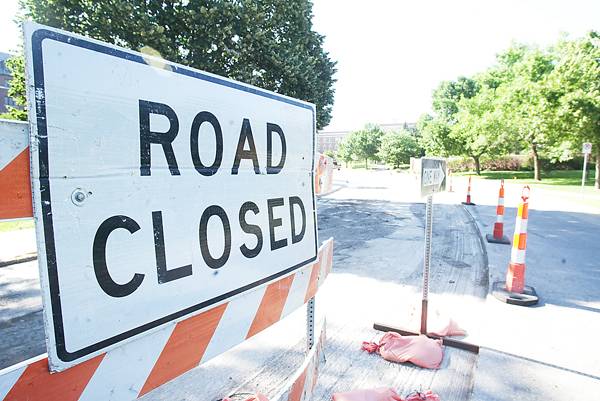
[[527, 298], [468, 204], [494, 240]]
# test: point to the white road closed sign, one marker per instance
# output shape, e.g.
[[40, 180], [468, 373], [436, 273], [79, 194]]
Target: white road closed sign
[[159, 190]]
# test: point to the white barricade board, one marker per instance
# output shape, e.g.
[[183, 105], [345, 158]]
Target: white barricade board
[[159, 190]]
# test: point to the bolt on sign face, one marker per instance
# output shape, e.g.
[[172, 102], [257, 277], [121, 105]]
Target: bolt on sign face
[[433, 175], [159, 190]]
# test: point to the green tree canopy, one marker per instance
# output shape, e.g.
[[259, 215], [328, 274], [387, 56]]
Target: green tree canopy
[[449, 93], [577, 78], [344, 151], [480, 127], [529, 102], [397, 147], [16, 90], [364, 144], [267, 43]]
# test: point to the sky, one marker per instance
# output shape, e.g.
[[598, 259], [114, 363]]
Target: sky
[[392, 54]]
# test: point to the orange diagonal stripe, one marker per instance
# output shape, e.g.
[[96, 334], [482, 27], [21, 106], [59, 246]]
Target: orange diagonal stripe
[[185, 347], [297, 388], [36, 382], [271, 305], [15, 189]]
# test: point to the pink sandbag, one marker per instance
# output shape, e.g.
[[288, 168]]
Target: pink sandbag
[[452, 329], [420, 350], [376, 394], [426, 396]]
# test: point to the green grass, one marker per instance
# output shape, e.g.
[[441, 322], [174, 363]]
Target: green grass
[[565, 181], [16, 225], [570, 178]]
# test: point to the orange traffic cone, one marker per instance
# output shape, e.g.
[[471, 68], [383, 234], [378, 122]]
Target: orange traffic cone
[[468, 202], [514, 290], [498, 236]]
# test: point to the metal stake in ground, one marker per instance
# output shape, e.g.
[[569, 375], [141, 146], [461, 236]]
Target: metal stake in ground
[[426, 261]]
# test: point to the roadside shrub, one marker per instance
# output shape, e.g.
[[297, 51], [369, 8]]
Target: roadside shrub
[[506, 163], [458, 164], [513, 163], [500, 163]]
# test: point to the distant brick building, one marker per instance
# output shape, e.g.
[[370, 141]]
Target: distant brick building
[[5, 77], [329, 140]]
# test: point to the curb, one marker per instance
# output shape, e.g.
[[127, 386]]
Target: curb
[[21, 259], [483, 246]]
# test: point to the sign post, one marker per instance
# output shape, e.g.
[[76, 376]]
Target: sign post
[[433, 178], [586, 150]]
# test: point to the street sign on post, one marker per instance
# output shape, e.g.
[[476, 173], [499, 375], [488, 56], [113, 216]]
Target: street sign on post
[[159, 190], [433, 179], [586, 150], [433, 175]]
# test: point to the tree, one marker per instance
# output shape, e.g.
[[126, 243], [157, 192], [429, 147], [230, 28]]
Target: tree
[[16, 89], [364, 144], [344, 151], [398, 147], [435, 136], [480, 127], [449, 93], [577, 76], [435, 130], [267, 43], [529, 102]]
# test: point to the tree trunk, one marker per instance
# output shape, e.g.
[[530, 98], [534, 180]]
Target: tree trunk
[[367, 163], [536, 163], [597, 179], [477, 165]]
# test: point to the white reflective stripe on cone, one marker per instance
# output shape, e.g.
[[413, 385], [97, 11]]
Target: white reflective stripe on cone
[[521, 226], [517, 256]]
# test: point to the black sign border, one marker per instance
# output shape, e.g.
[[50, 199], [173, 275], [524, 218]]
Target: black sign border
[[37, 38]]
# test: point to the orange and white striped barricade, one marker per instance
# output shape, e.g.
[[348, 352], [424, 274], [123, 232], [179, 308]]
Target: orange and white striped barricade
[[324, 175], [468, 201], [497, 236], [300, 385], [131, 364], [136, 368], [15, 187], [514, 290]]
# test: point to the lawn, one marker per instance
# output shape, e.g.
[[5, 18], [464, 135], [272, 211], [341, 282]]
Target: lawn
[[566, 181], [556, 177], [15, 225], [559, 178]]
